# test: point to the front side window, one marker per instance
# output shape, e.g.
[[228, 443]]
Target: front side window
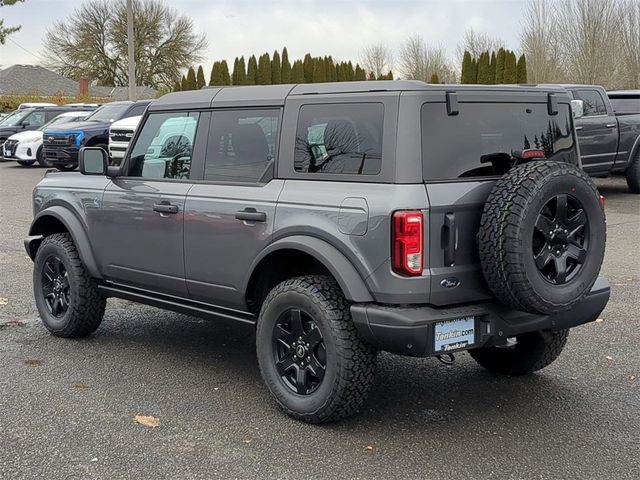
[[36, 119], [165, 146], [242, 145], [592, 101], [339, 139]]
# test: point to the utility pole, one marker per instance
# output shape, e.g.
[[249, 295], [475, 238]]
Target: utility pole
[[131, 52]]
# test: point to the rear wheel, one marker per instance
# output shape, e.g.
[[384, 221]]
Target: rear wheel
[[310, 355], [633, 174], [67, 297], [26, 163], [531, 352]]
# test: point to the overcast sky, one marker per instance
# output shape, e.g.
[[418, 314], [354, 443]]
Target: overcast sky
[[340, 28]]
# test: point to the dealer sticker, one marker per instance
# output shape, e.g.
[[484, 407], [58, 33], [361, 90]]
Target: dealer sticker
[[454, 334]]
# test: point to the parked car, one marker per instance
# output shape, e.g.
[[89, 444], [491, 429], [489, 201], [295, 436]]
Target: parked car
[[62, 143], [625, 102], [340, 219], [26, 147], [36, 104], [120, 134], [608, 143], [31, 119]]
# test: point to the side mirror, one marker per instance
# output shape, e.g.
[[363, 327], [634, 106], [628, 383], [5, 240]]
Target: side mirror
[[93, 161], [25, 124], [577, 107]]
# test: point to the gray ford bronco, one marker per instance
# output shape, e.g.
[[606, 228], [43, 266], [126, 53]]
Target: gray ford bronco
[[339, 219]]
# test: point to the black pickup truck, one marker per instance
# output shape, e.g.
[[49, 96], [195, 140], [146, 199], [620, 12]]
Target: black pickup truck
[[609, 141]]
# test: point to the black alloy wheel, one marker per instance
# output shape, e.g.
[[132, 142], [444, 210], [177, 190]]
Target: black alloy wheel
[[560, 239], [55, 286], [299, 351]]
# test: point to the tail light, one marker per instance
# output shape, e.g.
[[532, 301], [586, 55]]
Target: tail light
[[407, 242]]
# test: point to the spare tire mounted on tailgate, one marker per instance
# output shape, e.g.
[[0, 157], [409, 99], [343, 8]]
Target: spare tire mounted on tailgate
[[542, 237]]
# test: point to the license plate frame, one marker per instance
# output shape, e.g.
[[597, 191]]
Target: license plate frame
[[455, 334]]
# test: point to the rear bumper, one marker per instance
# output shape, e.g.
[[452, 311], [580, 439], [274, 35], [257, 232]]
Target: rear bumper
[[409, 330]]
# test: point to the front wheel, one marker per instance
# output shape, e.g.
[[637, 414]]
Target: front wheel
[[26, 163], [67, 297], [310, 355], [531, 352]]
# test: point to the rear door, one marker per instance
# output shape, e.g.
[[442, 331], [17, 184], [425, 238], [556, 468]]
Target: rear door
[[597, 131], [463, 155], [229, 216]]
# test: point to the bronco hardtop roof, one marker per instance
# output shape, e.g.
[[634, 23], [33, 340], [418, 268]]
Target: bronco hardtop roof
[[269, 95]]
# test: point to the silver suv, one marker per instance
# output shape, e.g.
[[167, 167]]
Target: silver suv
[[339, 219]]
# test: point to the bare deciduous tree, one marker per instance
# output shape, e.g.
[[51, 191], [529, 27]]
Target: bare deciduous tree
[[476, 43], [377, 59], [540, 43], [418, 61], [630, 44], [92, 43]]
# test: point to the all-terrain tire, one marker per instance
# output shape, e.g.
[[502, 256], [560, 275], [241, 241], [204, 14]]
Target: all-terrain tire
[[633, 174], [350, 362], [26, 163], [85, 305], [509, 229], [533, 351]]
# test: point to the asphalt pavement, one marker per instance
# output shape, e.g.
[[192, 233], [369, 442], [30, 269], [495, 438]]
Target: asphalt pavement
[[67, 406]]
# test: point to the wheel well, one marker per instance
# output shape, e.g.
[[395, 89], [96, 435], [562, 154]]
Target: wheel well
[[47, 225], [277, 267]]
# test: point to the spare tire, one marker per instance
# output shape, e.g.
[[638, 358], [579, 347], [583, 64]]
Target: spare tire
[[542, 237]]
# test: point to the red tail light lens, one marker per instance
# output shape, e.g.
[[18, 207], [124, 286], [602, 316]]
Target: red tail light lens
[[407, 242]]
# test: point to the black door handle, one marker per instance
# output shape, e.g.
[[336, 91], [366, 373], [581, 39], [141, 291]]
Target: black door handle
[[451, 235], [250, 214], [165, 207]]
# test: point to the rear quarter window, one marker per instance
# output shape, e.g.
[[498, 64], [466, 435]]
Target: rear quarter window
[[481, 140]]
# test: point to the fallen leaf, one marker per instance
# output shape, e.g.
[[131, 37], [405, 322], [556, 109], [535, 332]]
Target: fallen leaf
[[4, 301], [80, 386], [94, 459], [33, 362], [609, 358], [369, 448], [632, 377], [247, 440], [147, 421], [599, 320]]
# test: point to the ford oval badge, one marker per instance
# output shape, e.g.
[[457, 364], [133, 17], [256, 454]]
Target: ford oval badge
[[450, 282]]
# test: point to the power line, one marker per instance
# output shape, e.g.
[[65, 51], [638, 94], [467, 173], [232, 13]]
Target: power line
[[22, 48]]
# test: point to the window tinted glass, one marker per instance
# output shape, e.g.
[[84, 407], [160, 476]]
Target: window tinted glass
[[136, 110], [36, 119], [165, 146], [109, 112], [242, 145], [482, 139], [339, 139], [626, 105], [593, 102]]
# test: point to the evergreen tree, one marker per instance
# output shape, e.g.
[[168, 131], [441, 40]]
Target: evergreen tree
[[521, 70], [308, 64], [224, 70], [350, 72], [474, 71], [252, 71], [484, 69], [176, 86], [500, 61], [467, 68], [331, 72], [264, 70], [183, 84], [318, 71], [434, 78], [286, 67], [276, 69], [200, 81], [510, 68], [340, 77], [359, 74], [492, 68], [297, 72], [191, 79], [213, 77], [240, 74], [234, 73]]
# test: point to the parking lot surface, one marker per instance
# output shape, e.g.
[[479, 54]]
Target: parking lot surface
[[67, 406]]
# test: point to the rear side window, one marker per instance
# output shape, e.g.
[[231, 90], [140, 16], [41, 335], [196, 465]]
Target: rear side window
[[339, 139], [481, 140], [242, 145], [593, 103], [626, 105]]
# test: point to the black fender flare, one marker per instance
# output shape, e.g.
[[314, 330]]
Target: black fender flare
[[339, 266], [75, 228]]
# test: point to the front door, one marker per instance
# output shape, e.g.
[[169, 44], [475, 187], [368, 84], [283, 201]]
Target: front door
[[229, 217], [139, 236]]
